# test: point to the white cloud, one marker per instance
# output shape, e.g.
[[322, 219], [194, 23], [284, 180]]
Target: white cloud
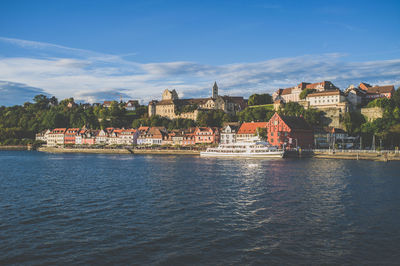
[[93, 76]]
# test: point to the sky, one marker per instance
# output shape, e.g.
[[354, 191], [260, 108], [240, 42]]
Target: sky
[[101, 50]]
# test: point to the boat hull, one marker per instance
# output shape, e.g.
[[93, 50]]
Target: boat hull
[[278, 154]]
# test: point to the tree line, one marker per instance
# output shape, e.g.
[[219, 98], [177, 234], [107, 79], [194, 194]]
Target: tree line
[[20, 123]]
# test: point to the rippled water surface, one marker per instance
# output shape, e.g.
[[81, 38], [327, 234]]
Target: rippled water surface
[[124, 209]]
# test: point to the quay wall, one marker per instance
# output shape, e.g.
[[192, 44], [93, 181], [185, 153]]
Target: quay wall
[[117, 151], [320, 154]]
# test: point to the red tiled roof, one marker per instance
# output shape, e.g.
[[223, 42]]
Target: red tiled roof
[[364, 86], [142, 128], [251, 128], [324, 93], [286, 91], [58, 131], [380, 89], [295, 122]]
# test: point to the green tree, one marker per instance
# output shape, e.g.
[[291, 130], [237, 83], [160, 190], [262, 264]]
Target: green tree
[[305, 92], [260, 99]]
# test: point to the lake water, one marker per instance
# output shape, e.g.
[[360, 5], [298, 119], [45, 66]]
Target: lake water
[[174, 210]]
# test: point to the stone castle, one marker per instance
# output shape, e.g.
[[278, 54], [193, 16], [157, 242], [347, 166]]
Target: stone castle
[[172, 107]]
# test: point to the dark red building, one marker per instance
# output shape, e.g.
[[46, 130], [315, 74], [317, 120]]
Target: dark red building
[[289, 130]]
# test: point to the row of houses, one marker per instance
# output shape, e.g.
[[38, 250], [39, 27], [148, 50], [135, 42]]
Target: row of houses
[[280, 131], [140, 136]]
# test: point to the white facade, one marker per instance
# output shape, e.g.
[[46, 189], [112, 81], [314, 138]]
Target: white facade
[[294, 96], [78, 139], [102, 137], [43, 136], [128, 137], [56, 137], [149, 141], [228, 135], [354, 96], [325, 99]]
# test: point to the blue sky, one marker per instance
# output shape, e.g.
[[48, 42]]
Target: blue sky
[[95, 50]]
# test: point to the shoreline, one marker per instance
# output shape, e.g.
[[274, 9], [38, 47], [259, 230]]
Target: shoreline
[[14, 147], [118, 151], [373, 156]]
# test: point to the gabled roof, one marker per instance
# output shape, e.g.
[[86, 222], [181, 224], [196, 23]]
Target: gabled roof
[[132, 102], [295, 122], [72, 131], [380, 89], [58, 131], [234, 128], [207, 129], [251, 128], [286, 91], [325, 84], [364, 86], [325, 93], [142, 128]]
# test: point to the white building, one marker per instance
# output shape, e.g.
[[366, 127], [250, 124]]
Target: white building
[[354, 95], [42, 136], [56, 137], [326, 98], [102, 137], [128, 137], [228, 134]]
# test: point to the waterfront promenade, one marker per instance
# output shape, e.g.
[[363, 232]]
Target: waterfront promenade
[[385, 155]]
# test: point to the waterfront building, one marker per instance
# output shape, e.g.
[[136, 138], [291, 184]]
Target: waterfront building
[[228, 134], [333, 137], [42, 136], [102, 137], [78, 137], [70, 135], [248, 130], [206, 135], [290, 131], [56, 137], [189, 137], [128, 136], [176, 137], [172, 107], [153, 136], [89, 137], [113, 136]]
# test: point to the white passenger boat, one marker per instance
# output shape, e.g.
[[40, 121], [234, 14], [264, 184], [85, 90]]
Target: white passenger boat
[[251, 149]]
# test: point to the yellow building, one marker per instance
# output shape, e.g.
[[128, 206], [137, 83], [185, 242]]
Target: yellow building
[[172, 107]]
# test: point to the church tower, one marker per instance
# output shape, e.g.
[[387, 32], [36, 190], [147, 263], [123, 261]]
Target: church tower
[[215, 91]]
